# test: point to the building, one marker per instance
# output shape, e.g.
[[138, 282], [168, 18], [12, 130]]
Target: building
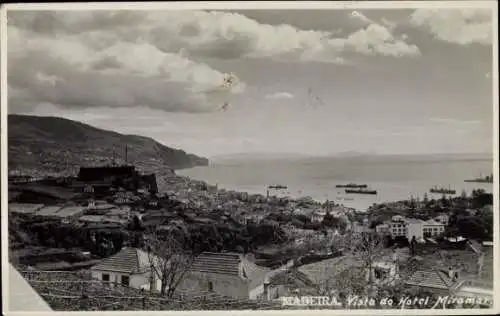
[[148, 182], [400, 226], [129, 267], [317, 216], [437, 281], [383, 229], [119, 176], [431, 228], [443, 219], [227, 274]]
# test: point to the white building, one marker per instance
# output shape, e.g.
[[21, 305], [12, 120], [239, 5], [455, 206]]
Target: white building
[[443, 219], [400, 226], [431, 228], [129, 267], [317, 216]]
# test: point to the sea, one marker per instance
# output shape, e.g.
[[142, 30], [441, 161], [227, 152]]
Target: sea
[[395, 177]]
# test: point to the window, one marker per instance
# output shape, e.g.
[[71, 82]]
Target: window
[[105, 277], [125, 280], [210, 286]]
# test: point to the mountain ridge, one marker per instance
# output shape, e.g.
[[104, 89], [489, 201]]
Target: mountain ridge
[[56, 145]]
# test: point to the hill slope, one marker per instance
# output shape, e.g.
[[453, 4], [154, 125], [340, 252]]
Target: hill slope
[[46, 145]]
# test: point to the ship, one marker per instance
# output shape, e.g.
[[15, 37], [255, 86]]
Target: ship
[[275, 187], [487, 179], [352, 186], [360, 191], [278, 187], [435, 189]]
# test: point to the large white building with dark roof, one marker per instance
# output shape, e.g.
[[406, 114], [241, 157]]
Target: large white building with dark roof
[[400, 226]]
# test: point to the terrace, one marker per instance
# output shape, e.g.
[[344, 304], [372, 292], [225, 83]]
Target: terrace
[[76, 291]]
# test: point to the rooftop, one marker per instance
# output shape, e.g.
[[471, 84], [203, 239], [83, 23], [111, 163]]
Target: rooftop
[[127, 260], [24, 208], [233, 264], [319, 272], [432, 278]]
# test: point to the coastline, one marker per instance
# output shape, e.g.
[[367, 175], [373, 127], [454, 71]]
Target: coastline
[[251, 177]]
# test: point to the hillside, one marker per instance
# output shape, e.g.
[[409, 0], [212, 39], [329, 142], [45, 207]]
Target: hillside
[[53, 145]]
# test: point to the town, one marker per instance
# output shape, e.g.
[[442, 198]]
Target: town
[[113, 238]]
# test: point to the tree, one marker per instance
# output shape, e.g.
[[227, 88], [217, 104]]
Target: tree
[[463, 195], [426, 199], [170, 260], [367, 247], [362, 252]]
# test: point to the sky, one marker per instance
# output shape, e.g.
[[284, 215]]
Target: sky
[[315, 82]]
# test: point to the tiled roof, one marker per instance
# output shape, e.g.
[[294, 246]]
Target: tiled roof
[[232, 264], [222, 263], [323, 270], [127, 260], [430, 278], [255, 274], [414, 221]]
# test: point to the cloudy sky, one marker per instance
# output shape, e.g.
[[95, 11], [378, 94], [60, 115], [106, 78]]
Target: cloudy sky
[[316, 82]]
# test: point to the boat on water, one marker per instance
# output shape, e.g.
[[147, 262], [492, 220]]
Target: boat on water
[[352, 185], [437, 190], [278, 187], [360, 191], [481, 179]]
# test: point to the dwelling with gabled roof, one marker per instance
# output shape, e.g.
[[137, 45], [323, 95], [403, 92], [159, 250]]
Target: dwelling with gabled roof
[[436, 280], [228, 274], [129, 267]]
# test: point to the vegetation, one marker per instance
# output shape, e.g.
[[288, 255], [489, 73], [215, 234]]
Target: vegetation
[[60, 145]]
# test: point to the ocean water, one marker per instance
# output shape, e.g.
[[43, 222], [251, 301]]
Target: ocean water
[[394, 177]]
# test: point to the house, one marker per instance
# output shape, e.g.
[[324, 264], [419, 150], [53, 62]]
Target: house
[[317, 216], [443, 219], [383, 229], [325, 273], [129, 267], [397, 226], [400, 226], [227, 274], [432, 279]]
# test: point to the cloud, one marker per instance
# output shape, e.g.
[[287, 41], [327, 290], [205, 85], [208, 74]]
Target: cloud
[[459, 26], [213, 34], [390, 24], [69, 71], [150, 58], [454, 121], [377, 39], [279, 95]]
